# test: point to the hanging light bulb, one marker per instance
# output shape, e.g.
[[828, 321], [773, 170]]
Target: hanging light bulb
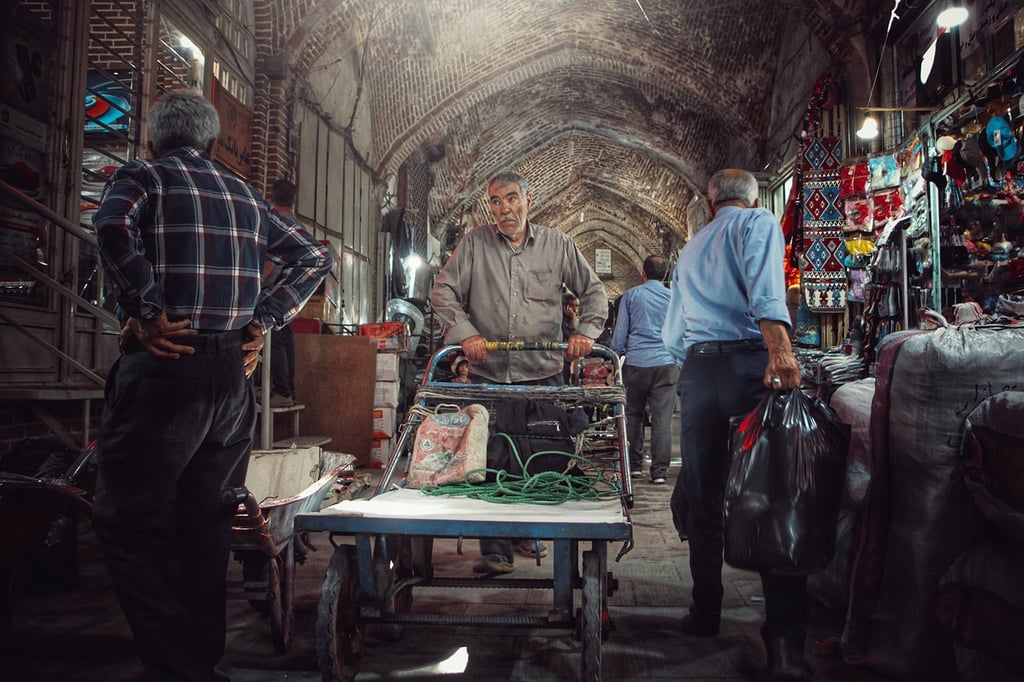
[[868, 129], [952, 16]]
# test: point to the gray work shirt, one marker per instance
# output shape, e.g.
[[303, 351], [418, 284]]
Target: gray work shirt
[[491, 289]]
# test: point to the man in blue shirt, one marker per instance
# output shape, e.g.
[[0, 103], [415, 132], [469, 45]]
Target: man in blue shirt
[[649, 372], [728, 320]]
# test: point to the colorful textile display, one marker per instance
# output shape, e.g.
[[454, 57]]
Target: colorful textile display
[[823, 278]]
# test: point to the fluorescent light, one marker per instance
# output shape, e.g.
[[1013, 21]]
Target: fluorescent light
[[954, 16], [868, 129], [928, 61]]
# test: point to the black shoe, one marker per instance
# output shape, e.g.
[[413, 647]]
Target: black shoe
[[699, 626], [786, 660]]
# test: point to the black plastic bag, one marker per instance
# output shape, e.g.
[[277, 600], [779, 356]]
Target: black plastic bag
[[785, 485]]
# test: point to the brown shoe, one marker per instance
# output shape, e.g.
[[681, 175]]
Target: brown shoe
[[493, 564]]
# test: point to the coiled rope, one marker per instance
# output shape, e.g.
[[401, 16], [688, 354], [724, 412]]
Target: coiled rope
[[545, 487]]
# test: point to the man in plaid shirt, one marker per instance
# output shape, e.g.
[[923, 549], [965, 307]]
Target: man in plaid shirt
[[185, 240]]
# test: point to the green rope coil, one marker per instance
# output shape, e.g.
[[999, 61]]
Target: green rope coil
[[545, 487]]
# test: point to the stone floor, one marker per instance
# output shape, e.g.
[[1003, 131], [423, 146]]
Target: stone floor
[[79, 635]]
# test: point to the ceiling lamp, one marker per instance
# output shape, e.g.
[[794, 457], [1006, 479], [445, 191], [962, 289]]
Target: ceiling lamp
[[868, 129], [952, 16]]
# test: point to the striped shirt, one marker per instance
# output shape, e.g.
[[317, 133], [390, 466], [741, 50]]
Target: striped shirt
[[182, 235]]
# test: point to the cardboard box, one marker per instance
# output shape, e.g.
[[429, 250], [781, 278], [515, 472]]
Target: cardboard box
[[386, 393], [391, 337], [383, 422], [318, 307], [387, 367], [380, 451]]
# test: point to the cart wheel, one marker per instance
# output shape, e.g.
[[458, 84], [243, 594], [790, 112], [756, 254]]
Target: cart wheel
[[339, 635], [281, 606], [593, 616]]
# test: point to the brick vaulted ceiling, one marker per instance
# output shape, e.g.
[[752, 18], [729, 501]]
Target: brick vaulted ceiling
[[617, 111]]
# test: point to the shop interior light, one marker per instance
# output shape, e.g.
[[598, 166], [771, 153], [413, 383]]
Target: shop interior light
[[868, 129], [413, 262], [952, 16]]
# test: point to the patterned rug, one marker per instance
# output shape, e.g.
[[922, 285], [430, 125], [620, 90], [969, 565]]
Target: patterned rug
[[823, 277]]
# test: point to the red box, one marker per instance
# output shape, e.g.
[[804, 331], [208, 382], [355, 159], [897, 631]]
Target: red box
[[390, 336], [305, 325]]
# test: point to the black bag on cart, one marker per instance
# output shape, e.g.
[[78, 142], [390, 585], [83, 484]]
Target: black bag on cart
[[785, 484], [532, 426]]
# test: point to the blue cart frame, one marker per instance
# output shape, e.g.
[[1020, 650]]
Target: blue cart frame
[[371, 578]]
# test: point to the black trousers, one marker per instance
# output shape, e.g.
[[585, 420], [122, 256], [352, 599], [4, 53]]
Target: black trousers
[[503, 546], [712, 389], [282, 361], [175, 434]]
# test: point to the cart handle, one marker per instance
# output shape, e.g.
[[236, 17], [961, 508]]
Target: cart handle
[[515, 346]]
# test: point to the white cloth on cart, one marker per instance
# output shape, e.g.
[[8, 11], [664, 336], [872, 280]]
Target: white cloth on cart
[[413, 504]]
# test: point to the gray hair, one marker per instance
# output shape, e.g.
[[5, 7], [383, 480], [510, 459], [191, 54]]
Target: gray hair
[[732, 184], [182, 118], [507, 178]]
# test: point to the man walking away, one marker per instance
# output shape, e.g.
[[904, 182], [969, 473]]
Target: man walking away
[[649, 372]]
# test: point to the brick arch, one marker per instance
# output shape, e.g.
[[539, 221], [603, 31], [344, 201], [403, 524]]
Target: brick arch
[[623, 182], [549, 76]]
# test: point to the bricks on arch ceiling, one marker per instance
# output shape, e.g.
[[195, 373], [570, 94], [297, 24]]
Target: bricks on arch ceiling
[[652, 104]]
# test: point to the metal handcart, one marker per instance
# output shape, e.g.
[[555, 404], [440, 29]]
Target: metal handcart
[[383, 544], [279, 485]]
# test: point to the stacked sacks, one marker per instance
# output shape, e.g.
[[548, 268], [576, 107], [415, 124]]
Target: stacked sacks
[[979, 600], [918, 518]]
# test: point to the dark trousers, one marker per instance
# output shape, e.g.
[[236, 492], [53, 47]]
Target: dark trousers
[[503, 546], [713, 388], [175, 434], [282, 361], [654, 387]]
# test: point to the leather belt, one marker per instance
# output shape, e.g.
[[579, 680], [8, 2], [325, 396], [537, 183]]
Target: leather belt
[[203, 342], [720, 347]]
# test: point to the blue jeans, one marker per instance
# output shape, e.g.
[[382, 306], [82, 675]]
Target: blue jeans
[[653, 386], [712, 389]]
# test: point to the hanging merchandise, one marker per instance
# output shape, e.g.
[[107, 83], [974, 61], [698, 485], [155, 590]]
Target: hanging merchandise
[[823, 277], [884, 172], [792, 224], [854, 178]]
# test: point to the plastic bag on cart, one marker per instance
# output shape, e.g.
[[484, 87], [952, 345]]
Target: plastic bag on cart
[[450, 447], [784, 486], [533, 426]]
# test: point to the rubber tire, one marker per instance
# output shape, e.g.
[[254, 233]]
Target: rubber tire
[[590, 615], [339, 635], [281, 613]]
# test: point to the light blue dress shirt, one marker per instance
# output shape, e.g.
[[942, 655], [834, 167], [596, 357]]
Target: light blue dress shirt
[[638, 325], [724, 281]]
